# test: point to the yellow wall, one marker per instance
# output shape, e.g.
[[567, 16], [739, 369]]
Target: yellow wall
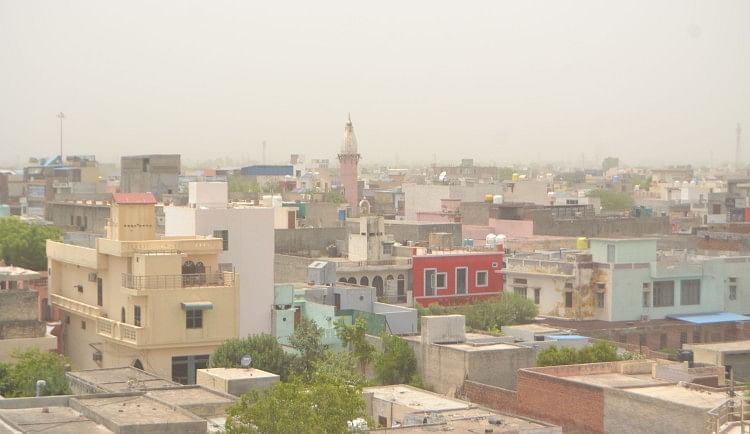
[[133, 222]]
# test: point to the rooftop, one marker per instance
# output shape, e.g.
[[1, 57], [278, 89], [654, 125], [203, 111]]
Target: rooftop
[[416, 399], [239, 373], [9, 272], [120, 379], [725, 347], [134, 198]]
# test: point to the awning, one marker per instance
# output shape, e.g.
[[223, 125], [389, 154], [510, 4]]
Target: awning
[[711, 318], [197, 305]]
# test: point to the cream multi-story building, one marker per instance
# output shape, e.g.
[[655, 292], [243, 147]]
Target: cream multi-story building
[[162, 305]]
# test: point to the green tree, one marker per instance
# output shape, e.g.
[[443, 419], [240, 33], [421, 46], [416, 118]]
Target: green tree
[[355, 338], [612, 200], [32, 365], [322, 405], [308, 341], [238, 184], [6, 379], [265, 350], [334, 196], [397, 363], [572, 178], [610, 162], [25, 245], [341, 365], [596, 353]]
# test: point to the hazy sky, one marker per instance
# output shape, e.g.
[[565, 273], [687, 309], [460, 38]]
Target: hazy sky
[[647, 81]]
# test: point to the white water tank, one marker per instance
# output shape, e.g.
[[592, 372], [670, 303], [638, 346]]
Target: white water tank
[[500, 240], [276, 201], [490, 240], [497, 199]]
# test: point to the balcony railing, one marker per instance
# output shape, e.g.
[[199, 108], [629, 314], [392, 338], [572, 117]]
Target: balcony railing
[[172, 281], [71, 305], [120, 331]]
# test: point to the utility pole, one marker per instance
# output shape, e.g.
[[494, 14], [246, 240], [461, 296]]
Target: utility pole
[[738, 154], [61, 116]]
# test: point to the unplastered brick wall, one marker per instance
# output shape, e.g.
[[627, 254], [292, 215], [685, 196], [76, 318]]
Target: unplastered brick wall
[[493, 397], [574, 406]]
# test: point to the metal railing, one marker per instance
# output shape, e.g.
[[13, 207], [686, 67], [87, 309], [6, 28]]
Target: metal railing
[[734, 412], [171, 281]]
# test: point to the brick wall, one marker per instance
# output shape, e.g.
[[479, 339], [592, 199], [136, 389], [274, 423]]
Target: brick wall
[[574, 406], [496, 398]]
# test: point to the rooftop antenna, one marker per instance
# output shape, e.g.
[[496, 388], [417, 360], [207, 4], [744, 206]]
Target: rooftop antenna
[[738, 155], [61, 116], [264, 152]]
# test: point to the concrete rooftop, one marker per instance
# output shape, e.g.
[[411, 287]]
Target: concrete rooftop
[[417, 399], [121, 379], [62, 420], [729, 347], [239, 373], [130, 410]]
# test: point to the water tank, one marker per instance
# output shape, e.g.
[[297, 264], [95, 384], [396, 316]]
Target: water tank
[[500, 240], [515, 177], [490, 240], [582, 243], [276, 201], [488, 198], [497, 199], [267, 200], [685, 356]]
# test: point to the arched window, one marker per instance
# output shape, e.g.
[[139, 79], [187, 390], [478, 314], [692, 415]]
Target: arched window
[[353, 280], [364, 281], [342, 280], [377, 282]]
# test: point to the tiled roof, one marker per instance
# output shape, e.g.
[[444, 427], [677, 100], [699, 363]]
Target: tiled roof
[[134, 198]]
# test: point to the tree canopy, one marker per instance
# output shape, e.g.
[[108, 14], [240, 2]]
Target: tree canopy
[[397, 364], [25, 245], [18, 379], [490, 315], [267, 354], [307, 340], [610, 162], [612, 200], [355, 338], [598, 352]]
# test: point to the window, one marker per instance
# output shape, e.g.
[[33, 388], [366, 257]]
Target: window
[[184, 368], [462, 280], [568, 299], [610, 253], [520, 281], [600, 300], [690, 292], [224, 235], [696, 336], [520, 290], [122, 315], [568, 285], [67, 319], [430, 281], [683, 338], [482, 279], [83, 325], [99, 292], [733, 292], [646, 298], [664, 293], [646, 285], [441, 280], [194, 319], [601, 285], [537, 295], [137, 315], [72, 221]]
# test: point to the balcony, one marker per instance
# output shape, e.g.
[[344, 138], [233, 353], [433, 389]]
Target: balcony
[[374, 265], [176, 281], [70, 305], [199, 245], [121, 332]]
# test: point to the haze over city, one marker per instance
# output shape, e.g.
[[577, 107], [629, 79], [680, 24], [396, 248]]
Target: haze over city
[[499, 81]]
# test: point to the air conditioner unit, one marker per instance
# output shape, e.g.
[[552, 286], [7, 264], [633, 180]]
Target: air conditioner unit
[[97, 356], [92, 277]]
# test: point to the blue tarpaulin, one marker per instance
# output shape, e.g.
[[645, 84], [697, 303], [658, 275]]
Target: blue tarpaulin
[[711, 318]]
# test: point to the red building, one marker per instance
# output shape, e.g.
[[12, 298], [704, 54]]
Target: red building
[[454, 277]]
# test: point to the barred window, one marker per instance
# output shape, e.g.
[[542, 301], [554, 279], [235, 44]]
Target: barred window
[[690, 292], [664, 293]]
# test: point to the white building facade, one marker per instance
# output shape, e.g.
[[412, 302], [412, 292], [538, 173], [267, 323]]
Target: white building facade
[[248, 235]]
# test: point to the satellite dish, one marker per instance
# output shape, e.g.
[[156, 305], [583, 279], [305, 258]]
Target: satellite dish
[[246, 361]]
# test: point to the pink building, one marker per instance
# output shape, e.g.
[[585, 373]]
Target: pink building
[[348, 161]]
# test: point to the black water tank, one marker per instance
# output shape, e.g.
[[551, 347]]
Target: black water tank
[[685, 356]]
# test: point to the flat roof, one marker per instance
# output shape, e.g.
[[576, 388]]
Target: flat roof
[[121, 379], [703, 400], [9, 272], [133, 410], [238, 373], [191, 395], [617, 380], [711, 318], [416, 399], [56, 419], [736, 346]]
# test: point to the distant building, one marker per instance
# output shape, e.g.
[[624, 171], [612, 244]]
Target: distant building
[[157, 173], [20, 325], [162, 305]]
